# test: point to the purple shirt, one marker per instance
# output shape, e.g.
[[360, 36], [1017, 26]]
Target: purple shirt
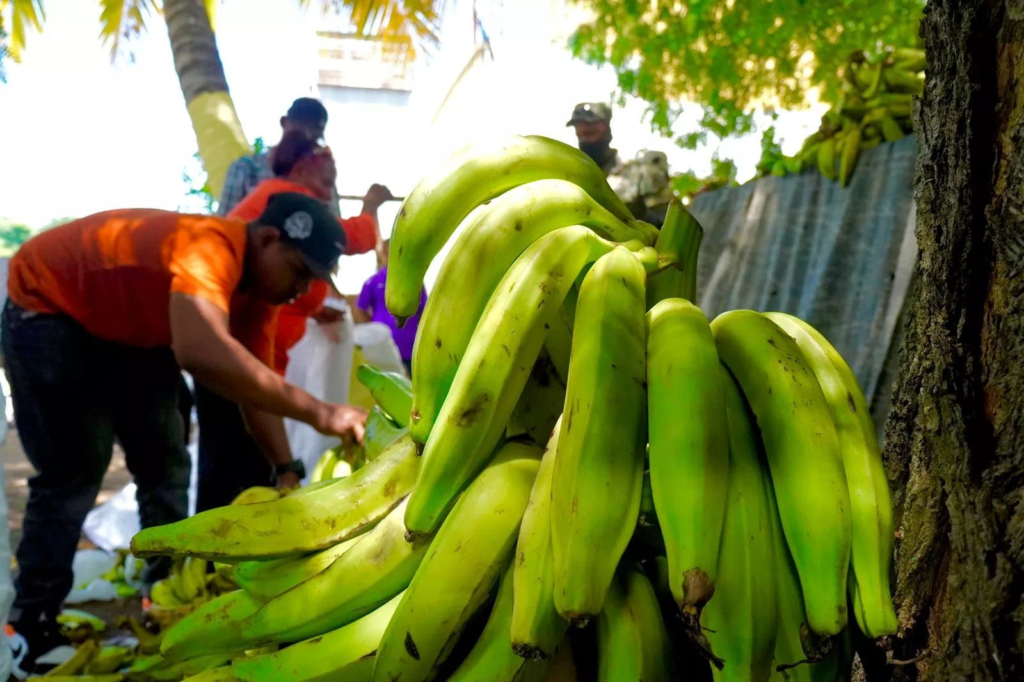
[[371, 298]]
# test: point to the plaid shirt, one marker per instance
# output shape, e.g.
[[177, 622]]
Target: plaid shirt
[[242, 177]]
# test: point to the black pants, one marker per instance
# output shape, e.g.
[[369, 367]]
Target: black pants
[[229, 459], [73, 394]]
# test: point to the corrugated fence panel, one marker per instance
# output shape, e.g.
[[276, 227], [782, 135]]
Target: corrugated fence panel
[[837, 258]]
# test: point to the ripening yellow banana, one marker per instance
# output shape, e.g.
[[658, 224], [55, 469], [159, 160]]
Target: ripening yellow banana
[[460, 569], [599, 463], [871, 504], [379, 565], [295, 524], [342, 654], [474, 175], [264, 580], [803, 454], [495, 368], [488, 244], [689, 447], [211, 629]]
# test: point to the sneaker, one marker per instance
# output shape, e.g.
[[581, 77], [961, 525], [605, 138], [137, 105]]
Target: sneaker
[[37, 646]]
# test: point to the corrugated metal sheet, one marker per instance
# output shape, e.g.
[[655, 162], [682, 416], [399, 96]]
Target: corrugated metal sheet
[[841, 259]]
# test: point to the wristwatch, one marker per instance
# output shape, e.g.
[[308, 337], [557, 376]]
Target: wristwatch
[[295, 466]]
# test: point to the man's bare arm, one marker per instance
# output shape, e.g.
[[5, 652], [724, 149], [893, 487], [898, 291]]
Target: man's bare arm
[[204, 347]]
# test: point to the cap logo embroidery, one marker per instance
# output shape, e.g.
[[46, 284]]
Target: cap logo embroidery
[[299, 225]]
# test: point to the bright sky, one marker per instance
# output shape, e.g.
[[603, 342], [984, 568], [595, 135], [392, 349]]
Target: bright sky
[[83, 135]]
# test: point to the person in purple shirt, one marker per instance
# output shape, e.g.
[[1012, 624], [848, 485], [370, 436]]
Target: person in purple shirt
[[370, 308]]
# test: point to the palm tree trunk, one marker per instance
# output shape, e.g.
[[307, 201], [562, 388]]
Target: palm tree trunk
[[201, 75]]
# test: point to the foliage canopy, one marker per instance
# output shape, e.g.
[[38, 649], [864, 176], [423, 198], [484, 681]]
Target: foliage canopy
[[734, 57]]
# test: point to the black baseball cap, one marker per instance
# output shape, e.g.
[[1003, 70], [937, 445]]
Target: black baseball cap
[[307, 110], [307, 224]]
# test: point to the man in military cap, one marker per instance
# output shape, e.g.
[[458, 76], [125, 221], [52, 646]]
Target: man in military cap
[[592, 121], [642, 184]]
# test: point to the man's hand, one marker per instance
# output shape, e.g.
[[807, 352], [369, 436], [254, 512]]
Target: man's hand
[[375, 196], [344, 421], [289, 480]]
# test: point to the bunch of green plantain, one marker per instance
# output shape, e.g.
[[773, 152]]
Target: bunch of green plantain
[[875, 107], [585, 478]]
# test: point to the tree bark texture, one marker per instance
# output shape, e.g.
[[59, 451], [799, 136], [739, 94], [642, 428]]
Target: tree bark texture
[[954, 442], [196, 58]]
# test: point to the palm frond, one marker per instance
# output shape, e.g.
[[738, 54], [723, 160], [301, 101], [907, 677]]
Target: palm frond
[[122, 20], [22, 12], [400, 23]]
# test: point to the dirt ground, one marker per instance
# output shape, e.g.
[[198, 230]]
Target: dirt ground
[[17, 471]]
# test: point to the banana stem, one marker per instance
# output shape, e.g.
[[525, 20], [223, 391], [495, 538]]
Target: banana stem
[[678, 246]]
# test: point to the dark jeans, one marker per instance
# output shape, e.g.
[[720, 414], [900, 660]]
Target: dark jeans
[[229, 459], [73, 395]]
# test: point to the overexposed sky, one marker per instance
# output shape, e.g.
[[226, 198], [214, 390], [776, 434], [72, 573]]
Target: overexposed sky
[[81, 134]]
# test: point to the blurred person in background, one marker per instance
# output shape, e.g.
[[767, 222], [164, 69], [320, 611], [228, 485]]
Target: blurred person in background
[[306, 117], [370, 308], [103, 315], [230, 460], [642, 184]]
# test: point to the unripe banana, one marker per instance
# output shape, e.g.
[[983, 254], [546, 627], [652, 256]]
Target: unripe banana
[[848, 161], [689, 447], [474, 175], [294, 524], [803, 453], [679, 239], [491, 659], [655, 646], [536, 627], [871, 504], [495, 367], [487, 247], [890, 128], [827, 158], [212, 628], [392, 391], [632, 643], [264, 580], [342, 654], [256, 494], [599, 462], [540, 404], [380, 433], [221, 674], [742, 620], [377, 567], [460, 568]]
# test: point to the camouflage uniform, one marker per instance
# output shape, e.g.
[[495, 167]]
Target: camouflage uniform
[[642, 184]]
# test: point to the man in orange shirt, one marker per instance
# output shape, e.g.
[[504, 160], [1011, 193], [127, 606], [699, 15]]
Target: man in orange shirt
[[102, 314]]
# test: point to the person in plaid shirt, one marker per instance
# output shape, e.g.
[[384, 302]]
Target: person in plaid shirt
[[306, 115]]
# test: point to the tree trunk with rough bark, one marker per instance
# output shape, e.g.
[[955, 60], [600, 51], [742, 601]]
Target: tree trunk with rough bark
[[954, 443], [201, 74]]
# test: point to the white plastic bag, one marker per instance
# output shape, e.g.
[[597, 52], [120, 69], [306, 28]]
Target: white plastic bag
[[323, 369], [88, 567], [378, 346]]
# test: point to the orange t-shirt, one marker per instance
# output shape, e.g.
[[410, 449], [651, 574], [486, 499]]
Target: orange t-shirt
[[114, 273], [361, 237]]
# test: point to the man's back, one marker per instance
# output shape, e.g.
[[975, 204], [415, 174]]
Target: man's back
[[114, 272]]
